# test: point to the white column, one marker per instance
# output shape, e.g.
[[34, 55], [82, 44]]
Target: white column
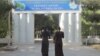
[[61, 21], [78, 30], [66, 28], [16, 33], [70, 24], [62, 25], [73, 27], [30, 29], [70, 28], [22, 26]]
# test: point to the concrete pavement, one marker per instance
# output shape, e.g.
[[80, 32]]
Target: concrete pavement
[[30, 50]]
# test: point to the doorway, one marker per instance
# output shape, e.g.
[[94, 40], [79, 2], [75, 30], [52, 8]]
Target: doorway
[[45, 20]]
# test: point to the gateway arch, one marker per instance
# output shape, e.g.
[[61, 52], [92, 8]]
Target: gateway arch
[[24, 18]]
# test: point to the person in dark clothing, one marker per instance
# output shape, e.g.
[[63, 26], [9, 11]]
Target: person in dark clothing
[[58, 42], [45, 42]]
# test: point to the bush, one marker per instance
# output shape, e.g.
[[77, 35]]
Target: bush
[[3, 26]]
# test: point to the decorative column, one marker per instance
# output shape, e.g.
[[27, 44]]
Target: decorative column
[[69, 28], [30, 29], [73, 27], [16, 27], [23, 17], [63, 25], [78, 30], [66, 28]]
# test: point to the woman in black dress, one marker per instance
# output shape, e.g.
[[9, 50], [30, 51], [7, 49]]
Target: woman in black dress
[[45, 42], [58, 43]]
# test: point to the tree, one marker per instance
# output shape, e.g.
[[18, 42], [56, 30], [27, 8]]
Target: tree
[[90, 9], [51, 21], [5, 7], [91, 13]]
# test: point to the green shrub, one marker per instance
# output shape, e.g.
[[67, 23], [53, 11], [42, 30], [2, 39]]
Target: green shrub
[[3, 26]]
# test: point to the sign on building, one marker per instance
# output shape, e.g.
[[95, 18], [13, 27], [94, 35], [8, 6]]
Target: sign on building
[[48, 5]]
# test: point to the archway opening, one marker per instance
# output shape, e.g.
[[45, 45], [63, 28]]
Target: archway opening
[[49, 20]]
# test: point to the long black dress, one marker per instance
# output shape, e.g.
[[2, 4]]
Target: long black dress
[[45, 43], [58, 43]]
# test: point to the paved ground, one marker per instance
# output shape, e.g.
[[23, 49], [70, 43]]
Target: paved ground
[[29, 50]]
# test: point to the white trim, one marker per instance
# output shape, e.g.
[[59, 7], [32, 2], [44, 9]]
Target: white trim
[[49, 12]]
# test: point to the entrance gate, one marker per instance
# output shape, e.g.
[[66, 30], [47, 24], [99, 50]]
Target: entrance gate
[[23, 19]]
